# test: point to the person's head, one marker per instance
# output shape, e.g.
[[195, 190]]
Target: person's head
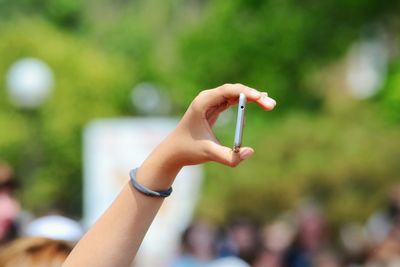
[[198, 240], [278, 235], [34, 252], [9, 206], [244, 234], [312, 228]]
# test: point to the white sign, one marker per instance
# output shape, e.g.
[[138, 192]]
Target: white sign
[[113, 147]]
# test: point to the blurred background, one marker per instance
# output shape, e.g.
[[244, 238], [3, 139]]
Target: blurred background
[[327, 158]]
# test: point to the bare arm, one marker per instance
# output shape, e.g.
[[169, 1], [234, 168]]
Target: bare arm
[[115, 238]]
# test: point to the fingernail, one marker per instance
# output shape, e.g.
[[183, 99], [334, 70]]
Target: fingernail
[[269, 101], [272, 101], [245, 154], [255, 93]]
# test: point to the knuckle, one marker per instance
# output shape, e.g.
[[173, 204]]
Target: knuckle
[[225, 86], [200, 95], [196, 106], [241, 87]]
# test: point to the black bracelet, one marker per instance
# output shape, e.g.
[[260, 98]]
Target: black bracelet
[[145, 190]]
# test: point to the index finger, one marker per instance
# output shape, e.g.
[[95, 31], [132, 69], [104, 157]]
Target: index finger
[[230, 93]]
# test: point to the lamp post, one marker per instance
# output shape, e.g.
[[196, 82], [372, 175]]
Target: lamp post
[[29, 82]]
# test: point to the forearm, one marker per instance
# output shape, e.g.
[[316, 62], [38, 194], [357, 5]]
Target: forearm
[[116, 236]]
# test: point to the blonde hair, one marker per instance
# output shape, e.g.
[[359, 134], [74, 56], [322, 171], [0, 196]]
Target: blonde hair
[[34, 252]]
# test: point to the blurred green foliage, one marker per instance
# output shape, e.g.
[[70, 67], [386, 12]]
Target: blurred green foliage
[[390, 97], [346, 161], [45, 145], [341, 153]]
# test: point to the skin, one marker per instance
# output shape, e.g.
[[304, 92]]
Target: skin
[[115, 238], [9, 209]]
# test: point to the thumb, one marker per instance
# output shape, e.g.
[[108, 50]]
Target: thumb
[[227, 156]]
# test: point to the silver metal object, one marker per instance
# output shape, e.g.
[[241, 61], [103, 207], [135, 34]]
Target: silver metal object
[[239, 123]]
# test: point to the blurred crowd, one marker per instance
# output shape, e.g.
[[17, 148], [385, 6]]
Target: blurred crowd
[[298, 238], [27, 241]]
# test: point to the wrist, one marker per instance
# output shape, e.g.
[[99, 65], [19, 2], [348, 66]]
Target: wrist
[[160, 168]]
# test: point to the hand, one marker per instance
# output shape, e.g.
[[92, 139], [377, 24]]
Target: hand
[[193, 141]]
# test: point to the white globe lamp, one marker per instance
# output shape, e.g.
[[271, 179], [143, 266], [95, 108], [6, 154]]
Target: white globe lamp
[[29, 82]]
